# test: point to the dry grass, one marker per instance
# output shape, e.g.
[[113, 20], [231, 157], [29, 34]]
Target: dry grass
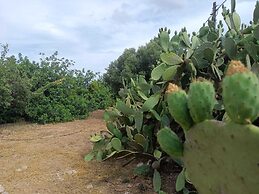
[[49, 159]]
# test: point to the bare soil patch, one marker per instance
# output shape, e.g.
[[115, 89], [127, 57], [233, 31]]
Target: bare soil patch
[[48, 158]]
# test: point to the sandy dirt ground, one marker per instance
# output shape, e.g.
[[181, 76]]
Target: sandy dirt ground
[[42, 159]]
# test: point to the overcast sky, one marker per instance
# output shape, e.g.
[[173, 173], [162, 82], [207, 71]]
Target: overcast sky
[[94, 33]]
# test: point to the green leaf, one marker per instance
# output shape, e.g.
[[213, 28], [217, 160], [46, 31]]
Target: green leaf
[[169, 73], [195, 42], [256, 32], [116, 144], [209, 54], [256, 13], [255, 69], [156, 181], [144, 170], [171, 58], [170, 142], [236, 20], [189, 53], [248, 62], [109, 146], [164, 40], [212, 36], [111, 115], [180, 181], [185, 39], [151, 102], [142, 95], [95, 138], [99, 155], [114, 130], [251, 49], [230, 47], [138, 120], [156, 115], [122, 107], [174, 42], [158, 71], [106, 116], [165, 121], [186, 191], [203, 31], [89, 156], [228, 21], [140, 139], [157, 154]]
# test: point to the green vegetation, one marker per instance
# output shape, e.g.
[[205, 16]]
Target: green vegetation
[[184, 98], [131, 64], [215, 148], [180, 112], [48, 91]]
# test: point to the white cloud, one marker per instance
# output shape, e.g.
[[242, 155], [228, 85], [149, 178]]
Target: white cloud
[[93, 33]]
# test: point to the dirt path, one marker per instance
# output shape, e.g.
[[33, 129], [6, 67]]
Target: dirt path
[[42, 159]]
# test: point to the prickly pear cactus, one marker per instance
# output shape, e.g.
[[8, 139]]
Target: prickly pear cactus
[[241, 93], [222, 157], [177, 105], [201, 100]]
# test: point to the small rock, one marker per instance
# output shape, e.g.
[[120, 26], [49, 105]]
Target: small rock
[[5, 192], [127, 192], [90, 186], [1, 189], [71, 172], [59, 176], [140, 164], [129, 185], [22, 168]]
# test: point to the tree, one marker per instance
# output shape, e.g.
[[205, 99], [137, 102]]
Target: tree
[[131, 64]]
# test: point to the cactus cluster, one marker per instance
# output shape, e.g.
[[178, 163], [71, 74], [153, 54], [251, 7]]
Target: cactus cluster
[[195, 107], [219, 144], [219, 157]]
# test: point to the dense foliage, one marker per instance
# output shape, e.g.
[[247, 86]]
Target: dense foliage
[[142, 110], [48, 91], [132, 63]]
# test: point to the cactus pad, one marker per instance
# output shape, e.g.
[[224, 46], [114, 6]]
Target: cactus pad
[[223, 158], [241, 96], [178, 108], [201, 100]]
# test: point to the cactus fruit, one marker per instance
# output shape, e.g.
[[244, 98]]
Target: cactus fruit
[[201, 100], [222, 158], [241, 93], [177, 105]]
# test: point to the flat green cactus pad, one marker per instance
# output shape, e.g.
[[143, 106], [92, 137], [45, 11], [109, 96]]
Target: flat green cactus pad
[[223, 158]]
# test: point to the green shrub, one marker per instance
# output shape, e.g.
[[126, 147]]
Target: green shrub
[[48, 91], [15, 90]]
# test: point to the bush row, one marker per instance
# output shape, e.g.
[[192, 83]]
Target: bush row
[[48, 90]]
